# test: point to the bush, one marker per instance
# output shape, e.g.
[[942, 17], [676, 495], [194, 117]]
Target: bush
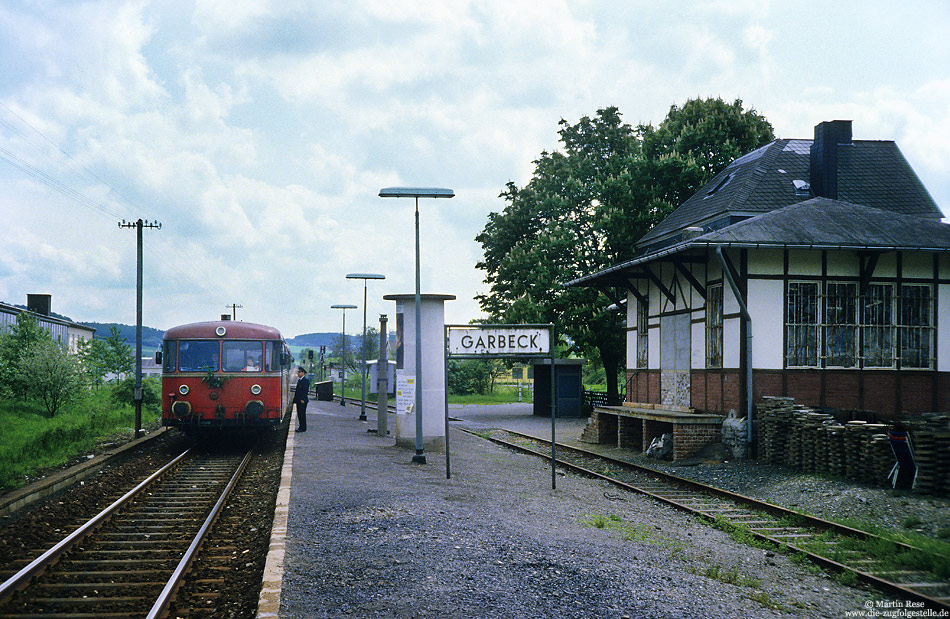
[[50, 374], [468, 377], [33, 441], [124, 392]]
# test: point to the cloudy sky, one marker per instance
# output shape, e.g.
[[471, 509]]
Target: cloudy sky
[[259, 133]]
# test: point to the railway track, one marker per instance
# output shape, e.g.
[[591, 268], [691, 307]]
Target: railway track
[[900, 569], [130, 559]]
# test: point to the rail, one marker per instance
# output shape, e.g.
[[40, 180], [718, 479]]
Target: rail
[[140, 537], [22, 578], [798, 532], [162, 604]]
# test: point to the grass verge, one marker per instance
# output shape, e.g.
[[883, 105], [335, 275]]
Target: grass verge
[[31, 441]]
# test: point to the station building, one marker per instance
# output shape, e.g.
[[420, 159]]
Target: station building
[[61, 329], [814, 269]]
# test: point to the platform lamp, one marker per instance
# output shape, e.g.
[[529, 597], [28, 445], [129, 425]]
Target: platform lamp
[[343, 355], [417, 192], [364, 277]]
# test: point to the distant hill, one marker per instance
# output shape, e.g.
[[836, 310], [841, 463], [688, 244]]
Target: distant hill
[[151, 338], [314, 340]]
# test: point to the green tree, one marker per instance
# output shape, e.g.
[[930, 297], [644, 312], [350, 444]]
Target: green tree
[[50, 374], [119, 357], [468, 376], [101, 356], [92, 355], [124, 392], [585, 206], [20, 337]]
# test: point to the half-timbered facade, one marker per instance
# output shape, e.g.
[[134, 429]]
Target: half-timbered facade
[[817, 269]]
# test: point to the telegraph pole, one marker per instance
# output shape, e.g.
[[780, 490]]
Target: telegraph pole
[[137, 397], [234, 307]]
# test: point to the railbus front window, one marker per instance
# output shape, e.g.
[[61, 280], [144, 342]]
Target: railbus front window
[[198, 356], [169, 356], [242, 356], [272, 356]]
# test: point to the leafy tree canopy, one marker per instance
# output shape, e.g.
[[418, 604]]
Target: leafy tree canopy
[[586, 205]]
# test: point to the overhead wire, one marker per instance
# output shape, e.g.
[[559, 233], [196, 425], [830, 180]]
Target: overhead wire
[[75, 195]]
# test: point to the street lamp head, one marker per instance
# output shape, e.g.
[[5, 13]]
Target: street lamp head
[[365, 276], [343, 307], [416, 192]]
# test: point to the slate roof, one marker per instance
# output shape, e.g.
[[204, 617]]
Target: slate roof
[[870, 173], [824, 223], [817, 223]]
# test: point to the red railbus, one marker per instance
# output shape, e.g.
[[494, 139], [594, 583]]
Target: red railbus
[[224, 375]]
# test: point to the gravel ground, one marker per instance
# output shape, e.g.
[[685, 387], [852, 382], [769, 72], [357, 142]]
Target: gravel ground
[[226, 578], [372, 535], [826, 497], [33, 530], [823, 496]]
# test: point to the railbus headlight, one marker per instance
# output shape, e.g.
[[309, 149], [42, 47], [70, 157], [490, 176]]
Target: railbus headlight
[[256, 389], [183, 389]]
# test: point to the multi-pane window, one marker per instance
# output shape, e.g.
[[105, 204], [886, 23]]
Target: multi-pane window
[[802, 324], [916, 326], [714, 326], [877, 326], [643, 336], [840, 324], [876, 329]]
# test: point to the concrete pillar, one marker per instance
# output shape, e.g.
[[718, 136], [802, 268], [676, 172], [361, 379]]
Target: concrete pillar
[[433, 367]]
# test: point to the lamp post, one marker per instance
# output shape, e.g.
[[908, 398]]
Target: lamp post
[[343, 355], [417, 192], [364, 277]]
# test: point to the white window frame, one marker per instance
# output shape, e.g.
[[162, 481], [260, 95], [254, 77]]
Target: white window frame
[[643, 335], [797, 324], [840, 313], [878, 319], [714, 321], [916, 324]]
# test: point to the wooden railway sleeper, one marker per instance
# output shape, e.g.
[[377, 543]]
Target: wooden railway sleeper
[[934, 599]]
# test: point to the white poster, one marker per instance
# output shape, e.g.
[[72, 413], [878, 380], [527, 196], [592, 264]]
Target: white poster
[[405, 393]]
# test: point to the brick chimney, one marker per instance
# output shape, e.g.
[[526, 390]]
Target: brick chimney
[[823, 161], [39, 303]]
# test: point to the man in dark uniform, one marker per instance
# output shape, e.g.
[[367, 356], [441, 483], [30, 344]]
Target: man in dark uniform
[[301, 397]]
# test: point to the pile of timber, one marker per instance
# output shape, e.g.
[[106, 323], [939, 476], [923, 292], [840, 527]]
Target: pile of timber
[[930, 440], [802, 438]]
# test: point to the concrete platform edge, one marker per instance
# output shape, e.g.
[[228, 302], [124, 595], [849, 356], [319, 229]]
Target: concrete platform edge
[[268, 604]]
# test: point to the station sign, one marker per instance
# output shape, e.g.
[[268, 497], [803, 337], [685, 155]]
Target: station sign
[[498, 340]]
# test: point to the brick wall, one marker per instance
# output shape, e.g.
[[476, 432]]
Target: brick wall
[[843, 389], [630, 434], [688, 440]]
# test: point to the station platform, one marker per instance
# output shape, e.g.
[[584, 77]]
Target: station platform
[[362, 531]]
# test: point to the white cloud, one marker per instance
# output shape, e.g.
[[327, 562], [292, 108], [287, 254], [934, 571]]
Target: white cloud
[[259, 133]]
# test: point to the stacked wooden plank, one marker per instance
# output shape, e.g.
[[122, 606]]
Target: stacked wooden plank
[[878, 455], [799, 437], [930, 438], [775, 415], [814, 449], [854, 439], [835, 454]]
